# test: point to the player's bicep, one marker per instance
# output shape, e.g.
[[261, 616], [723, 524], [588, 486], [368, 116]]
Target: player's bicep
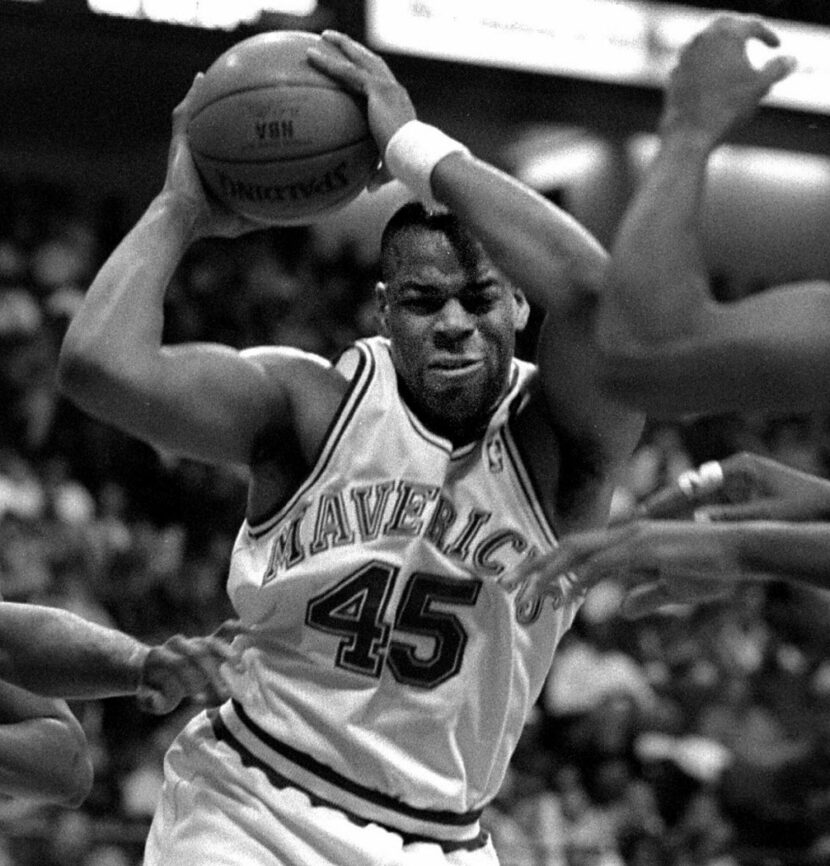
[[204, 401]]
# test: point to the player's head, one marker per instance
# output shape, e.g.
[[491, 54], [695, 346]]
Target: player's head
[[452, 318]]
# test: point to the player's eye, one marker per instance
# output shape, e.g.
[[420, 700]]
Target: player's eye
[[479, 303], [423, 304]]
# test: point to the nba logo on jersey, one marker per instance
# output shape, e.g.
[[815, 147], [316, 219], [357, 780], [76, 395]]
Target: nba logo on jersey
[[495, 459]]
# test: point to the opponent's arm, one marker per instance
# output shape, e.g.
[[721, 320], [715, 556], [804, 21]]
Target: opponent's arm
[[205, 401], [669, 347], [57, 653], [43, 749]]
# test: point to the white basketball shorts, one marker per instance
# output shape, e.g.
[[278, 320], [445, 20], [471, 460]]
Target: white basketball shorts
[[215, 810]]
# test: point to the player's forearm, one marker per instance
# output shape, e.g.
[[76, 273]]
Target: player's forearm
[[539, 247], [116, 335], [54, 652], [788, 551], [658, 283]]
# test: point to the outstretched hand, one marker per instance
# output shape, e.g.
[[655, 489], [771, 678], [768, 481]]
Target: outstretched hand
[[656, 562], [365, 74], [188, 667], [714, 86]]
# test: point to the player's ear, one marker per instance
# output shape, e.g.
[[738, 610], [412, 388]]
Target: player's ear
[[382, 301], [521, 309]]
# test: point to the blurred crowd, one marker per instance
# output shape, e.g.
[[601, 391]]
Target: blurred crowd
[[697, 737]]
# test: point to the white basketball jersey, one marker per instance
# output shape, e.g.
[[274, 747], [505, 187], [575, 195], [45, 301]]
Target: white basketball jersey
[[388, 673]]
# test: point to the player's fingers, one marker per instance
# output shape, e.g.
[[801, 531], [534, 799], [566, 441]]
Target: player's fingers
[[752, 27], [575, 551], [777, 69], [180, 662], [684, 584], [230, 629], [339, 68], [356, 52], [645, 600], [215, 687], [762, 509], [200, 661], [156, 702]]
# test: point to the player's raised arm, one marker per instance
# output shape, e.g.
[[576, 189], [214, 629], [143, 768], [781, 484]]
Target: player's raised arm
[[204, 401], [542, 250], [669, 346]]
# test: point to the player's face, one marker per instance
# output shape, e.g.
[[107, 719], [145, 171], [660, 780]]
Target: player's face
[[452, 320]]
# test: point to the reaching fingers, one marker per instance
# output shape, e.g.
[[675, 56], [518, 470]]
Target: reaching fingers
[[751, 27], [576, 550], [230, 629], [761, 509], [359, 54], [186, 666], [646, 599], [777, 69], [154, 701], [684, 586], [584, 560]]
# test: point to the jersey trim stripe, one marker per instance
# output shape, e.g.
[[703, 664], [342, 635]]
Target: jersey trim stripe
[[320, 781], [424, 432], [528, 487], [351, 400]]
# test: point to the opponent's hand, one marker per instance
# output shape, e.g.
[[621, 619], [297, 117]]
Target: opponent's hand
[[656, 562], [362, 72], [746, 486], [188, 667], [182, 183], [714, 86]]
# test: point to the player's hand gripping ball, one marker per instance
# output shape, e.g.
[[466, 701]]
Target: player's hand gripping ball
[[273, 138]]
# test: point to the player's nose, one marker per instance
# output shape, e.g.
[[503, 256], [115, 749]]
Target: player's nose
[[454, 320]]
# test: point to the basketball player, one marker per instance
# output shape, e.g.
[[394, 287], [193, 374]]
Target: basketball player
[[670, 349], [43, 749], [386, 677]]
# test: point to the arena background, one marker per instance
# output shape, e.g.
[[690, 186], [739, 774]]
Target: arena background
[[696, 737]]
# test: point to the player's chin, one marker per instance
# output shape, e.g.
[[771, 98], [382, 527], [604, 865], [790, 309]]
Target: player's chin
[[456, 410]]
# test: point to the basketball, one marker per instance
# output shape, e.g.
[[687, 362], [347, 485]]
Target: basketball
[[273, 138]]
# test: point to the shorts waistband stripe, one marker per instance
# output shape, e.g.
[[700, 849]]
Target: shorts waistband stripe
[[286, 765]]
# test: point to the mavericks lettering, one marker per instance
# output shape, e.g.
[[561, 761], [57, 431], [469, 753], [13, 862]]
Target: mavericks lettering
[[402, 509]]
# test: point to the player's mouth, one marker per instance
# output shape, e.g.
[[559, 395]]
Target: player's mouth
[[455, 367]]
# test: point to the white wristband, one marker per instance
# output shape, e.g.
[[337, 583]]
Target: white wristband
[[414, 151]]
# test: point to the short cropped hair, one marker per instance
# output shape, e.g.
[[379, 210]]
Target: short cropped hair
[[414, 216]]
